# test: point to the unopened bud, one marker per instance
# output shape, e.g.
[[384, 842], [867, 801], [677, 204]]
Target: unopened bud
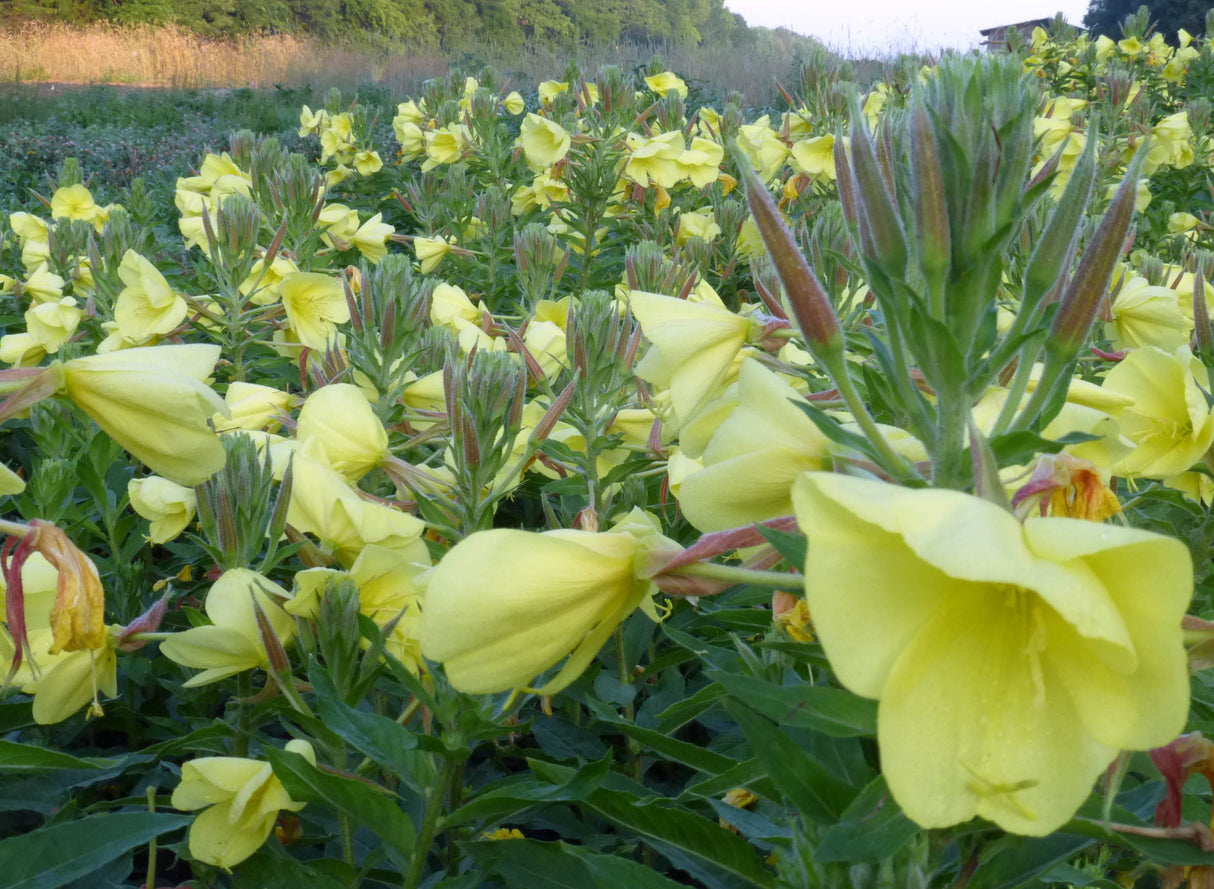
[[931, 208], [810, 304]]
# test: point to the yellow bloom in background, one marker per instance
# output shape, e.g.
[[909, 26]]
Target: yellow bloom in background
[[231, 643], [73, 202], [655, 160], [43, 285], [169, 507], [315, 305], [262, 286], [147, 307], [514, 104], [21, 350], [544, 142], [549, 90], [339, 222], [446, 146], [695, 347], [762, 148], [1169, 421], [367, 163], [411, 137], [1012, 662], [371, 238], [152, 401], [701, 162], [754, 456], [51, 324], [253, 408], [815, 157], [504, 605], [698, 224], [1146, 316], [430, 251], [241, 798], [341, 421], [1171, 143], [665, 82]]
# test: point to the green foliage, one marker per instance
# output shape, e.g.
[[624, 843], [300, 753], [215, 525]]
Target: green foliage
[[1167, 16]]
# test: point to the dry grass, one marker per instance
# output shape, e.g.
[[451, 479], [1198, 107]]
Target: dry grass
[[172, 57]]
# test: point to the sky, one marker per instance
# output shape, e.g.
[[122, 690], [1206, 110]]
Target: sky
[[890, 26]]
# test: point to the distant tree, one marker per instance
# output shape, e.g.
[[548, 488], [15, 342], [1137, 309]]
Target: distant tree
[[1168, 16]]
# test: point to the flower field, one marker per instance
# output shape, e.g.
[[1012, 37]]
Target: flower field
[[581, 486]]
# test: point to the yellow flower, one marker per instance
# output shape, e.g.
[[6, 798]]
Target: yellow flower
[[252, 408], [549, 90], [371, 238], [446, 146], [152, 401], [263, 286], [411, 137], [514, 104], [430, 252], [315, 305], [167, 505], [504, 605], [544, 142], [695, 348], [231, 643], [701, 163], [241, 798], [1169, 421], [51, 324], [1012, 662], [43, 285], [147, 307], [1146, 316], [762, 148], [665, 82], [698, 224], [754, 456], [655, 161], [340, 420], [815, 157], [73, 202], [367, 162]]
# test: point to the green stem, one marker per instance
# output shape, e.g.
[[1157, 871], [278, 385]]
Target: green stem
[[244, 690], [151, 877], [625, 674], [347, 838], [737, 574], [950, 440], [425, 839], [895, 463]]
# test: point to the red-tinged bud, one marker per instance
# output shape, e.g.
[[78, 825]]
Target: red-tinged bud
[[875, 208], [1081, 300], [1201, 316], [280, 665], [810, 304], [148, 622], [931, 207]]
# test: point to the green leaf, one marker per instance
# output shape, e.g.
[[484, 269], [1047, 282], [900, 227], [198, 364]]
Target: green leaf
[[832, 711], [367, 804], [531, 864], [662, 823], [383, 740], [53, 856], [693, 756], [1025, 860], [518, 793], [789, 545], [684, 711], [25, 758], [807, 785], [872, 828], [273, 868]]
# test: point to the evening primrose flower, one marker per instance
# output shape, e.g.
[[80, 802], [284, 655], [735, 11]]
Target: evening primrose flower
[[1146, 316], [698, 224], [655, 160], [544, 142], [51, 324], [1012, 662], [505, 605], [446, 145], [154, 403], [232, 642], [371, 238], [241, 798], [168, 506], [762, 148], [315, 305], [147, 307], [754, 456], [514, 104], [695, 347], [431, 251], [342, 423], [252, 408], [367, 162], [665, 82], [815, 157], [1169, 421], [549, 90], [73, 202], [701, 162]]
